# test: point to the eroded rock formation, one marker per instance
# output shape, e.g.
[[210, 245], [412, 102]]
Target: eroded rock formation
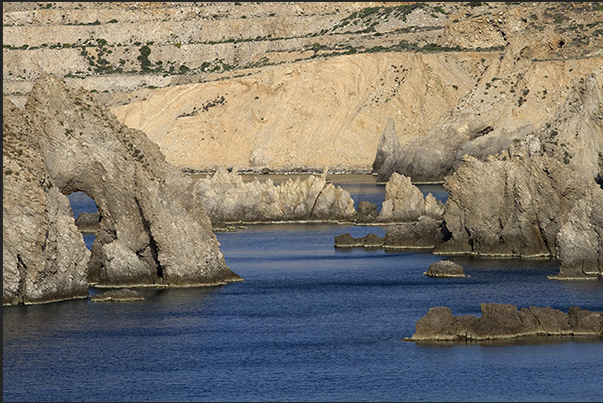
[[227, 198], [44, 257], [152, 229], [420, 234], [502, 321], [525, 207], [405, 202], [580, 239]]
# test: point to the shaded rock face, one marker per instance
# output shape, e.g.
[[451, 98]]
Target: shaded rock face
[[388, 146], [226, 198], [367, 212], [405, 202], [580, 239], [445, 268], [502, 321], [87, 222], [420, 234], [152, 230], [44, 257], [513, 207]]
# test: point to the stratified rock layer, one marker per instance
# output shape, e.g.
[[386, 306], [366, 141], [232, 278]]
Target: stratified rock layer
[[152, 229], [227, 198], [502, 321], [44, 257]]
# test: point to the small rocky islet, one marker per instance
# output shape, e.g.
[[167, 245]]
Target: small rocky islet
[[511, 125]]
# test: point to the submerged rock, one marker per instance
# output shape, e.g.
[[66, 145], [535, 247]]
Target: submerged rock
[[502, 321], [44, 256], [124, 295], [445, 268], [227, 198]]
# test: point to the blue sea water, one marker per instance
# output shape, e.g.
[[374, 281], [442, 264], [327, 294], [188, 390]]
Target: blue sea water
[[310, 322]]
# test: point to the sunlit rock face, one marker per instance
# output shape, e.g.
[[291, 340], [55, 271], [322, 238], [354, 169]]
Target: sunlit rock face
[[44, 258], [525, 207], [227, 198], [152, 230]]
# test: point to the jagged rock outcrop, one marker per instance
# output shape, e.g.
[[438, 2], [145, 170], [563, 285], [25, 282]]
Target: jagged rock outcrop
[[553, 107], [124, 295], [227, 198], [445, 268], [152, 229], [405, 202], [525, 207], [510, 207], [367, 212], [44, 258], [502, 321], [388, 146]]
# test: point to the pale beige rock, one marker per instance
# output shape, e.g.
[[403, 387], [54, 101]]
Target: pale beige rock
[[405, 202], [227, 198]]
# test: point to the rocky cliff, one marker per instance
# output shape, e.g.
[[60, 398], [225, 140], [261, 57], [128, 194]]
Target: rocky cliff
[[525, 206], [152, 230], [290, 86], [44, 258]]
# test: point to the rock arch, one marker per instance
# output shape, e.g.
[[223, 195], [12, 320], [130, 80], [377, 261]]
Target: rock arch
[[152, 230]]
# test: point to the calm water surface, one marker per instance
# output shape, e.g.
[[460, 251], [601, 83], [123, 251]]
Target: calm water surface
[[309, 323]]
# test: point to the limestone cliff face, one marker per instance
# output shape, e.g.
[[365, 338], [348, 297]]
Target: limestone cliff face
[[227, 198], [44, 257], [313, 114], [312, 84], [580, 239], [152, 231], [558, 102], [525, 207]]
